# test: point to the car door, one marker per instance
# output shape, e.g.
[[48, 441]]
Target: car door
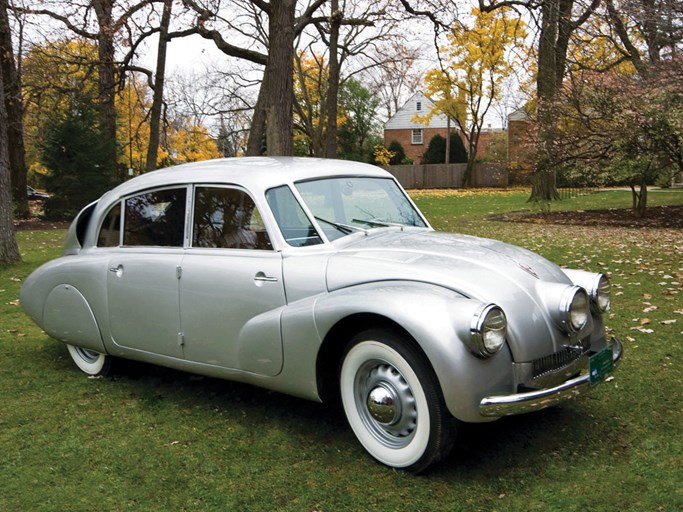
[[231, 285], [142, 276]]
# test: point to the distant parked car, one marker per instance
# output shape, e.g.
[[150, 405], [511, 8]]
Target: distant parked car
[[321, 278], [33, 194]]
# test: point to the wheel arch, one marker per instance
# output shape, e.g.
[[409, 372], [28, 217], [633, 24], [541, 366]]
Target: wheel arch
[[336, 340]]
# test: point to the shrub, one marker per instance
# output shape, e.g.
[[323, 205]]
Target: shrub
[[399, 154], [436, 150]]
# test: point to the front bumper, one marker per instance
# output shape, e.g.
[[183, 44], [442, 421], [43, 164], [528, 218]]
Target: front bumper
[[519, 403]]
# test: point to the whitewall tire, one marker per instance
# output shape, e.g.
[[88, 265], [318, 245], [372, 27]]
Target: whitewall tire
[[89, 361], [393, 401]]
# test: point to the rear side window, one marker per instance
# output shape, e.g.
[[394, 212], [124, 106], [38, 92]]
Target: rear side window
[[227, 218], [155, 218], [110, 232]]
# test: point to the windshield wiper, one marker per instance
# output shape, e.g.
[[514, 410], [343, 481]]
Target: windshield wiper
[[344, 228], [379, 223]]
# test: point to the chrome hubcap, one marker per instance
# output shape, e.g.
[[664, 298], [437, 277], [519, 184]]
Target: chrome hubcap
[[383, 405], [386, 403], [89, 356]]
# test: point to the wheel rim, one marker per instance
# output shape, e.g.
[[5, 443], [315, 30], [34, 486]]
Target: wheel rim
[[385, 403], [89, 356]]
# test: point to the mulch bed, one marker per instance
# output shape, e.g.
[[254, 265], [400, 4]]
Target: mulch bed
[[35, 224], [655, 217]]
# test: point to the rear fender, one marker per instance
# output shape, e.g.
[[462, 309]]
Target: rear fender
[[68, 318]]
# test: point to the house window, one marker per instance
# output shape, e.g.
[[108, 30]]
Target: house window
[[418, 106], [417, 136]]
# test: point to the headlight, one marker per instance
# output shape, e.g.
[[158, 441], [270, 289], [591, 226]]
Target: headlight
[[488, 331], [600, 293], [574, 309], [596, 284]]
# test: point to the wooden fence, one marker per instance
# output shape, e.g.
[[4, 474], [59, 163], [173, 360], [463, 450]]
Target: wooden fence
[[449, 175]]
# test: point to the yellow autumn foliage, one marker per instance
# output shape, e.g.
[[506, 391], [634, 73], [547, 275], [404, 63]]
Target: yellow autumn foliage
[[477, 61]]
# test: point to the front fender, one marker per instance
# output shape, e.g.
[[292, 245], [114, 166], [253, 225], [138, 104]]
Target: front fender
[[439, 321]]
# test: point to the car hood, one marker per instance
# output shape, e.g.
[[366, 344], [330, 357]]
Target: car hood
[[486, 270]]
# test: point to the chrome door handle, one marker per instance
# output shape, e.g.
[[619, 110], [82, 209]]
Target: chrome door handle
[[260, 276], [117, 270]]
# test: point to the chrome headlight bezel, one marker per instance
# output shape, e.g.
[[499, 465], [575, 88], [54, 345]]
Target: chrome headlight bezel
[[596, 284], [600, 293], [488, 331], [574, 309]]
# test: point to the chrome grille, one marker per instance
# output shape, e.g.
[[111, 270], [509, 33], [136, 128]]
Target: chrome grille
[[559, 359]]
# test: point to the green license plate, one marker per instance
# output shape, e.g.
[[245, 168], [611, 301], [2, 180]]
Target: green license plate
[[600, 365]]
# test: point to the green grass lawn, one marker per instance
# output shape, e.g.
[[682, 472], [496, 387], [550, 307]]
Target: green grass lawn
[[149, 438]]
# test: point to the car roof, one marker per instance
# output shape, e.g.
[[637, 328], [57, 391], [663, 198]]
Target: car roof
[[255, 173]]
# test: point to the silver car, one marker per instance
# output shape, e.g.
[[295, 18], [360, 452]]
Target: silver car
[[321, 279]]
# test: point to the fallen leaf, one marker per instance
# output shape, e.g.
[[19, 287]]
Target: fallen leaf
[[647, 296], [645, 321], [650, 309], [642, 329], [667, 322], [14, 302]]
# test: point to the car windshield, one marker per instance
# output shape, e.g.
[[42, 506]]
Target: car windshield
[[346, 205]]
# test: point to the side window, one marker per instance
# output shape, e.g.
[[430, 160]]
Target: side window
[[227, 218], [111, 228], [155, 218], [295, 226]]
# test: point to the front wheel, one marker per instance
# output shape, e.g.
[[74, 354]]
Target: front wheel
[[90, 362], [393, 401]]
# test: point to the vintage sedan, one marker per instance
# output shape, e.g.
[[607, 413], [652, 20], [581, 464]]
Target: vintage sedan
[[321, 279]]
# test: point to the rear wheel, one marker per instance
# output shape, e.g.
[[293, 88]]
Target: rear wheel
[[89, 361], [393, 401]]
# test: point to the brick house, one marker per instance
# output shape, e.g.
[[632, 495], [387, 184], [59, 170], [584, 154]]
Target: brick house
[[414, 136], [520, 146]]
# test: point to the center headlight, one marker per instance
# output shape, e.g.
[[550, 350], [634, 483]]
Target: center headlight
[[600, 293], [574, 308], [488, 331]]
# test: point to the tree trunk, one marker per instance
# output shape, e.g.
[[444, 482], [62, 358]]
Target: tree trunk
[[639, 198], [447, 158], [14, 113], [9, 250], [333, 85], [544, 185], [551, 63], [257, 131], [107, 81], [278, 78], [159, 77]]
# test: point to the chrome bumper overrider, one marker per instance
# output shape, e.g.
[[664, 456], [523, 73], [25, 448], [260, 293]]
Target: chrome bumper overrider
[[507, 405]]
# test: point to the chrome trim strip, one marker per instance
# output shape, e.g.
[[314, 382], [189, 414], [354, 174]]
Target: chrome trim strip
[[519, 403]]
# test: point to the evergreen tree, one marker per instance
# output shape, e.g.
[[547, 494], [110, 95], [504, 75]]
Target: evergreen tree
[[458, 153], [75, 153], [399, 153], [436, 150]]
